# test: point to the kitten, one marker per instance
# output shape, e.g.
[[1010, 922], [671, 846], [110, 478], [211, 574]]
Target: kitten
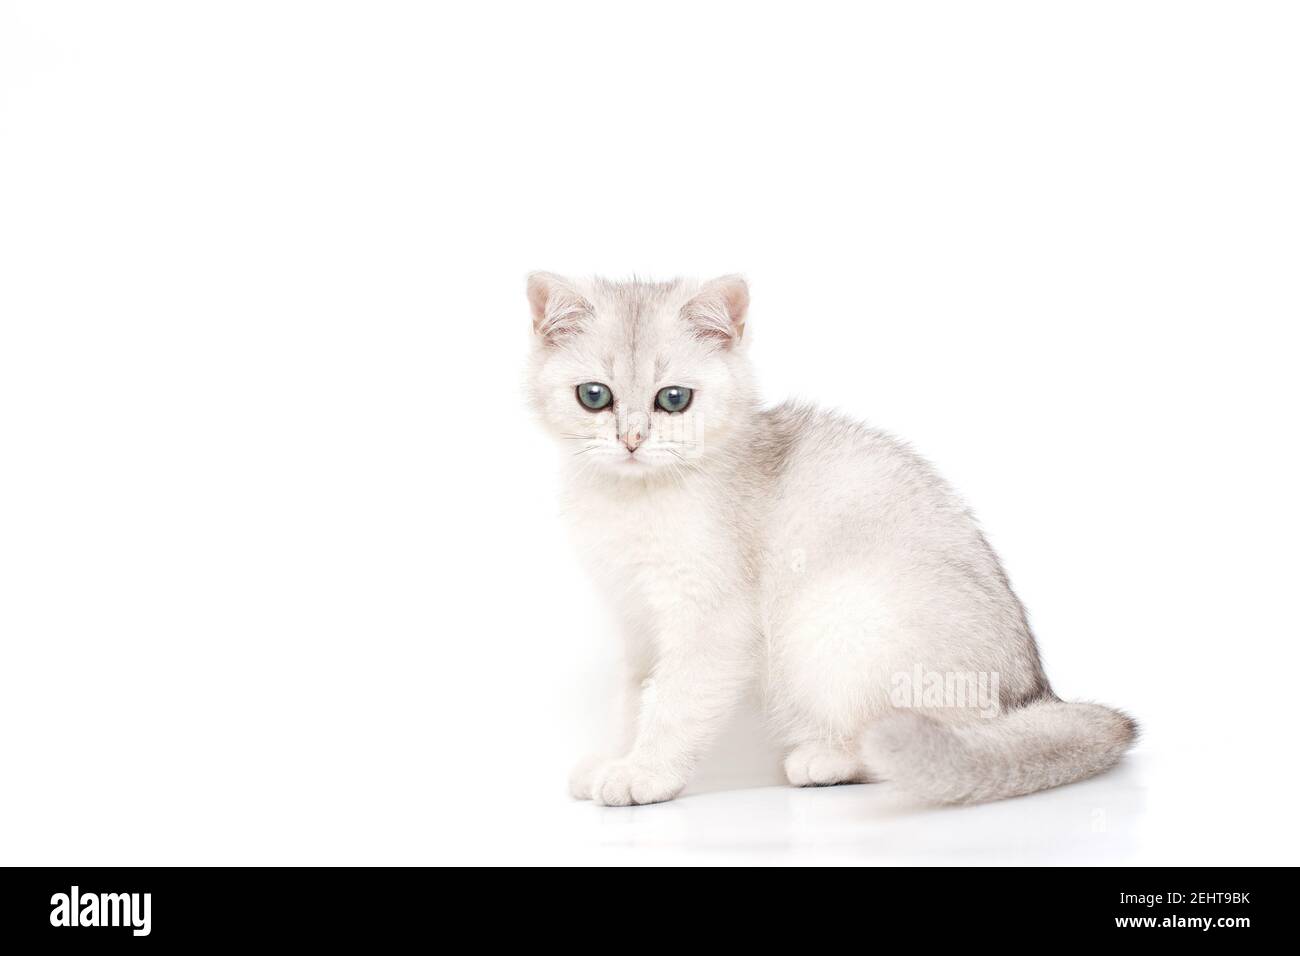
[[788, 547]]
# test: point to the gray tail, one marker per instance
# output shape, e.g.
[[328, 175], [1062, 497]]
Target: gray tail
[[1043, 744]]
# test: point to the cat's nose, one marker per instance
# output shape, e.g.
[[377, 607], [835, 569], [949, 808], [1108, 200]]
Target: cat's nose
[[632, 440]]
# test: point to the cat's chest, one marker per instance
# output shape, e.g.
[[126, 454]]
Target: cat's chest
[[663, 546]]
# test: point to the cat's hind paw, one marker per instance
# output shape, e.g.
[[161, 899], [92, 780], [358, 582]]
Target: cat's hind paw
[[821, 765]]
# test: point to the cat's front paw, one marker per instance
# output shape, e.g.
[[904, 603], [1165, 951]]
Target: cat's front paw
[[584, 774], [625, 782]]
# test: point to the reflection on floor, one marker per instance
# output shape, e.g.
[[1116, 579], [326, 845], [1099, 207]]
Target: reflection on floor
[[1093, 822]]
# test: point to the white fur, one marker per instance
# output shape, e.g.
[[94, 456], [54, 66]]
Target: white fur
[[788, 547]]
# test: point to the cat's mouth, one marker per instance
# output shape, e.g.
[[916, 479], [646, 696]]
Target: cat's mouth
[[644, 461]]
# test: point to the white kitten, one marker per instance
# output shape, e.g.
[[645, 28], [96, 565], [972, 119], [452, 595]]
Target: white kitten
[[788, 547]]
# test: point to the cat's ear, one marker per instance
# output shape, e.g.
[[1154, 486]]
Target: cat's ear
[[717, 312], [558, 308]]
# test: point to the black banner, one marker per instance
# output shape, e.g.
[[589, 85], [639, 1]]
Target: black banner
[[144, 907]]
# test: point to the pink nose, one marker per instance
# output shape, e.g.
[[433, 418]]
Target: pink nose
[[632, 439]]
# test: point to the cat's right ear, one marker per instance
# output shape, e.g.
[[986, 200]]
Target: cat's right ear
[[558, 308], [717, 313]]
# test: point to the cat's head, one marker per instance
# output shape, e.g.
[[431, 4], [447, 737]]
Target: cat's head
[[640, 378]]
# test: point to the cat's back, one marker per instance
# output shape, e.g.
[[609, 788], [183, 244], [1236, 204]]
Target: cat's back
[[836, 482], [814, 451]]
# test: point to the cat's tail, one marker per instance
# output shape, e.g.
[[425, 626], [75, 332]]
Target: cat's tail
[[1042, 744]]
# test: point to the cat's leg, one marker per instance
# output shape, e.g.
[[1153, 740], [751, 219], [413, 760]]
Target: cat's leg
[[702, 668], [626, 707], [820, 764], [831, 647]]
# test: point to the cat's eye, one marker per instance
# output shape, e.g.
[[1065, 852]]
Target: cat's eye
[[674, 398], [594, 396]]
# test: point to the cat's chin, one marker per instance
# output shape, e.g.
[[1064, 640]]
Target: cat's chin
[[636, 466], [632, 465]]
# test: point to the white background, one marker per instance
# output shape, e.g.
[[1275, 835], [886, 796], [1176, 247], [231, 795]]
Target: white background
[[282, 578]]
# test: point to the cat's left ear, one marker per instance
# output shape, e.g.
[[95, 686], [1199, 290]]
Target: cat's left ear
[[718, 310], [558, 308]]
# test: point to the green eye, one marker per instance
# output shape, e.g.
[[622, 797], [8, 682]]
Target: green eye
[[594, 396], [674, 398]]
